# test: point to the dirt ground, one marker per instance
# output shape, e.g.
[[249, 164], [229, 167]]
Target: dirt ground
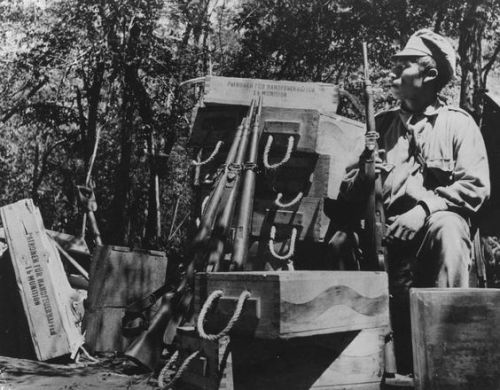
[[108, 373]]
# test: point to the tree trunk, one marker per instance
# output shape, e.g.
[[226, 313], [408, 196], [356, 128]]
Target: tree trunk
[[470, 51], [119, 206]]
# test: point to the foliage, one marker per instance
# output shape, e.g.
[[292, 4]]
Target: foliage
[[81, 70]]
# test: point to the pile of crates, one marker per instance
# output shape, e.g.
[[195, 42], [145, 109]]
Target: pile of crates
[[304, 150]]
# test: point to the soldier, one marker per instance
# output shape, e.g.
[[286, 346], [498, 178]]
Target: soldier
[[434, 177]]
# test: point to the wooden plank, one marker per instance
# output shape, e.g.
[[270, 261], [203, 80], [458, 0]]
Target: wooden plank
[[455, 338], [283, 122], [304, 172], [284, 94], [212, 369], [118, 277], [343, 140], [44, 289], [70, 243], [213, 124], [301, 303], [351, 360]]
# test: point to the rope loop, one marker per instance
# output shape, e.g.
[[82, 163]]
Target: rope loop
[[267, 149], [293, 202], [291, 250], [208, 304], [209, 158], [178, 374]]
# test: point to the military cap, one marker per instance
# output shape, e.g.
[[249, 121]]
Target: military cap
[[427, 43]]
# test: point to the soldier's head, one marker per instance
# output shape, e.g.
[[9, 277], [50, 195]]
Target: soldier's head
[[424, 66]]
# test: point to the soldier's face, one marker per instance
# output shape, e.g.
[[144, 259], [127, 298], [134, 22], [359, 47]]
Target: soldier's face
[[407, 78]]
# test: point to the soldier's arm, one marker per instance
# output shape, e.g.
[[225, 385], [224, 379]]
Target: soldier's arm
[[471, 182]]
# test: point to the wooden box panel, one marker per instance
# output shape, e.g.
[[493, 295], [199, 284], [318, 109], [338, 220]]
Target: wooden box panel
[[300, 303], [118, 277], [304, 172], [284, 94], [215, 123], [308, 217], [282, 123], [43, 286], [343, 140], [212, 369], [349, 360], [455, 338]]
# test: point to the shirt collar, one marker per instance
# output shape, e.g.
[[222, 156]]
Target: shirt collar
[[430, 110]]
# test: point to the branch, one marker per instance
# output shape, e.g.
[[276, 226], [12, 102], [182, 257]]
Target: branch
[[21, 103], [37, 179], [81, 115], [486, 68]]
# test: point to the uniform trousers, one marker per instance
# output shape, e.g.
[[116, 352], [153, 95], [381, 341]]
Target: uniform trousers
[[439, 256]]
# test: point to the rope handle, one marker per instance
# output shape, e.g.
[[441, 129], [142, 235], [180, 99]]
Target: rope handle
[[178, 374], [209, 158], [291, 250], [208, 304], [286, 157], [294, 201]]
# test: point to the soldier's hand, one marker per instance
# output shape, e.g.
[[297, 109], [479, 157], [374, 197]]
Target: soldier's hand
[[407, 225]]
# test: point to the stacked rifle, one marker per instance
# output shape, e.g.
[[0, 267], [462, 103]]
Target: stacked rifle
[[234, 185]]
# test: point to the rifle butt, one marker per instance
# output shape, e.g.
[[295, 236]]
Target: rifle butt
[[146, 349]]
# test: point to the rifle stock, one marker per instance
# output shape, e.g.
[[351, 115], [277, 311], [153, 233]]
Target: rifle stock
[[146, 349]]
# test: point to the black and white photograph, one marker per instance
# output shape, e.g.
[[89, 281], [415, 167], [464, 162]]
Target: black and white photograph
[[250, 194]]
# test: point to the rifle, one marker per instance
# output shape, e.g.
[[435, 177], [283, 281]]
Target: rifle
[[221, 230], [176, 301], [375, 251], [242, 232]]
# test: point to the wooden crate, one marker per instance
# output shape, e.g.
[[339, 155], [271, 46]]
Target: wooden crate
[[282, 123], [46, 296], [343, 140], [215, 123], [212, 369], [119, 276], [296, 304], [307, 216], [349, 361], [455, 338], [283, 94], [304, 172]]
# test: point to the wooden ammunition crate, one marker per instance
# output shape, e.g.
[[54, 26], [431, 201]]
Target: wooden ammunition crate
[[215, 123], [307, 216], [119, 276], [282, 123], [46, 296], [455, 338], [212, 369], [343, 140], [349, 361], [304, 172], [283, 94], [296, 304]]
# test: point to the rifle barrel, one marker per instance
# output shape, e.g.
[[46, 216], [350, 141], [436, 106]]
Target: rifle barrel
[[242, 236]]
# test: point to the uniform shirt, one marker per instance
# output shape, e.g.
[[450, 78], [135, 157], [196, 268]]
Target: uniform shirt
[[436, 157]]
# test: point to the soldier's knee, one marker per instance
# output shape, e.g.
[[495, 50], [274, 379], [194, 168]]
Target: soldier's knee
[[448, 226]]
